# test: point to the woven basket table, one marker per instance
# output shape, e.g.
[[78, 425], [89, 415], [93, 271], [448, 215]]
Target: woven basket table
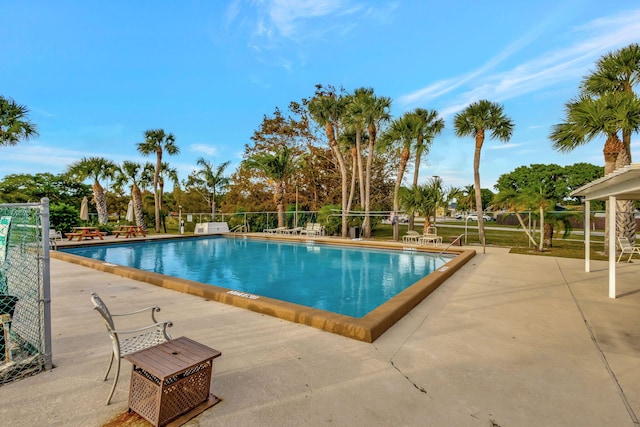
[[170, 382]]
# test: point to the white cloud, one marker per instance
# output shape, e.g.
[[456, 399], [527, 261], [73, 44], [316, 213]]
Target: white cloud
[[547, 69], [204, 149]]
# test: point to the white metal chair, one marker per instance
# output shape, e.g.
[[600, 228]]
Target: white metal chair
[[55, 234], [129, 341], [627, 248]]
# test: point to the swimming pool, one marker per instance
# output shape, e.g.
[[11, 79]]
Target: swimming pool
[[339, 279], [356, 292]]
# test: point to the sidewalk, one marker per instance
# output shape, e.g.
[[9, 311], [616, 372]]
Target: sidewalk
[[510, 340]]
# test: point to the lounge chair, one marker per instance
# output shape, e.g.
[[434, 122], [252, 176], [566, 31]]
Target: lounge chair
[[411, 237], [295, 230], [313, 229], [55, 234], [131, 340], [430, 236], [274, 230], [627, 248]]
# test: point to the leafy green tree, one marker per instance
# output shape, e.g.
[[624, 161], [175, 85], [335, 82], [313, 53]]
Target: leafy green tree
[[156, 141], [96, 169], [556, 182], [475, 120], [63, 217], [14, 124], [21, 188]]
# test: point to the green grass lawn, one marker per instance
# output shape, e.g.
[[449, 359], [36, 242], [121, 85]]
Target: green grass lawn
[[509, 237]]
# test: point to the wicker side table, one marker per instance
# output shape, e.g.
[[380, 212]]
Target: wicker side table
[[171, 381]]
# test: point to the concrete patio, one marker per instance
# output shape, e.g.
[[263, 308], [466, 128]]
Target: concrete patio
[[510, 340]]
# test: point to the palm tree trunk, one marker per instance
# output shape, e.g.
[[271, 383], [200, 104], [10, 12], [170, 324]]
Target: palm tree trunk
[[136, 196], [612, 148], [156, 195], [352, 188], [366, 227], [548, 235], [541, 228], [625, 219], [100, 201], [280, 203], [404, 159], [360, 166], [476, 183], [331, 136], [416, 173]]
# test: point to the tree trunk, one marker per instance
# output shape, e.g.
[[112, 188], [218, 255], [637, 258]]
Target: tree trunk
[[100, 200], [404, 159], [416, 173], [331, 136], [476, 183], [156, 195], [138, 211], [612, 148], [542, 228], [279, 196], [548, 235], [367, 188]]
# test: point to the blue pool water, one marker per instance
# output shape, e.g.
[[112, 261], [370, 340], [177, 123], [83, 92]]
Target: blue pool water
[[345, 280]]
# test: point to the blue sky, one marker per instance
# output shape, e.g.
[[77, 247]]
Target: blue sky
[[97, 74]]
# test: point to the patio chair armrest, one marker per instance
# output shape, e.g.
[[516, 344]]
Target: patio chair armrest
[[164, 325], [153, 309]]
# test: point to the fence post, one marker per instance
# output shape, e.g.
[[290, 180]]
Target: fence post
[[46, 284]]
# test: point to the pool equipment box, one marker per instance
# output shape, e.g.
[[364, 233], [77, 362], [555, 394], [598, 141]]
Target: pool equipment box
[[211, 228]]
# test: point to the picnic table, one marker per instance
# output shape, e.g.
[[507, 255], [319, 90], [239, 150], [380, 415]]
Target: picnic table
[[85, 233], [130, 231]]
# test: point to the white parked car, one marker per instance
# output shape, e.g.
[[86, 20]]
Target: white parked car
[[474, 217]]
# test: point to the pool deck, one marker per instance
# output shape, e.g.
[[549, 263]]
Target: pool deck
[[509, 340]]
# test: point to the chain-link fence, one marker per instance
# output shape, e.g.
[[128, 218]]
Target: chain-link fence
[[25, 317]]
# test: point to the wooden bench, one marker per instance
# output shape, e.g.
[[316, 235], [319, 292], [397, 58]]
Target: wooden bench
[[72, 235]]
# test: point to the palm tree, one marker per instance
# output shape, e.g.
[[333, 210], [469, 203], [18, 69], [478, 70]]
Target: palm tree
[[605, 116], [376, 112], [327, 109], [400, 137], [430, 126], [419, 200], [96, 168], [279, 167], [166, 172], [515, 202], [13, 123], [473, 121], [157, 141], [618, 71], [354, 121], [132, 173], [211, 178]]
